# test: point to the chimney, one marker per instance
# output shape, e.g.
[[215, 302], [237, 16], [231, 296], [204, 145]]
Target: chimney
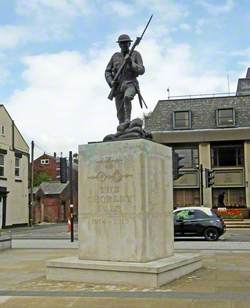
[[244, 85]]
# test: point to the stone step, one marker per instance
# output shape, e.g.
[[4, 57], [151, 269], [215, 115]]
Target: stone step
[[238, 226], [237, 223]]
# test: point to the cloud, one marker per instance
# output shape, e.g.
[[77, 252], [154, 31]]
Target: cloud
[[57, 20], [167, 10], [64, 103], [52, 20], [65, 100], [11, 36], [200, 24], [38, 8], [185, 27], [4, 72], [243, 59], [120, 8], [242, 53], [216, 9], [175, 68], [42, 20], [166, 14]]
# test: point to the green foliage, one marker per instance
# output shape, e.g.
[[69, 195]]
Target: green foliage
[[41, 177]]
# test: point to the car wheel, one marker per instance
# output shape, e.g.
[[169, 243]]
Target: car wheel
[[211, 234]]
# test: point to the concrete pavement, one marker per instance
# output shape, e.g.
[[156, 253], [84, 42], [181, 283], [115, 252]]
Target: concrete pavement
[[224, 281], [59, 231]]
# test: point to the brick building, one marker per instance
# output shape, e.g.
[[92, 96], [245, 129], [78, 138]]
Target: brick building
[[209, 132], [48, 164], [52, 198], [51, 202]]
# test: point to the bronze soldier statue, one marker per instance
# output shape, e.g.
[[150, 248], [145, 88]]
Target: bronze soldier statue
[[126, 86]]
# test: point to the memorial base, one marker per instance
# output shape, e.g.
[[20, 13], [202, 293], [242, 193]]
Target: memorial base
[[142, 274]]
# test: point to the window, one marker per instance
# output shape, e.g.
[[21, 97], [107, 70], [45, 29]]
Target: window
[[234, 197], [225, 117], [2, 130], [17, 166], [1, 164], [190, 157], [181, 119], [184, 214], [200, 214], [227, 155], [44, 161]]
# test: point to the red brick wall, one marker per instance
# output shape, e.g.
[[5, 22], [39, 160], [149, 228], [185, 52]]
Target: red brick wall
[[49, 168], [36, 210], [55, 210], [51, 208]]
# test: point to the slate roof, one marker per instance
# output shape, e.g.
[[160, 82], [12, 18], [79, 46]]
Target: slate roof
[[53, 188], [202, 109], [203, 112], [35, 189]]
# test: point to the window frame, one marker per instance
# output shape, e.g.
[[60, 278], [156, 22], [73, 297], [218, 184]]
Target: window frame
[[189, 119], [17, 167], [218, 117], [2, 165], [184, 216], [194, 159], [239, 155], [199, 214], [44, 161]]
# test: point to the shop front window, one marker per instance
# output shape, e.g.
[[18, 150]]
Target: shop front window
[[229, 155], [190, 157]]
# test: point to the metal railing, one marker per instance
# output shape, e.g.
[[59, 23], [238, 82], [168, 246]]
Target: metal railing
[[201, 95]]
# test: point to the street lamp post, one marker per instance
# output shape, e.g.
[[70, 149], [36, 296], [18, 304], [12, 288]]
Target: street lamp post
[[31, 185], [201, 183], [71, 207]]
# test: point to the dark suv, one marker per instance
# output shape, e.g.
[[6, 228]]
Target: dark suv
[[198, 221]]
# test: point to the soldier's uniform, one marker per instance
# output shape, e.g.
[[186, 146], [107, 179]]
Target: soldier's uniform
[[128, 85]]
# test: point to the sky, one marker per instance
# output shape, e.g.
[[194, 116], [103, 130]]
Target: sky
[[53, 55]]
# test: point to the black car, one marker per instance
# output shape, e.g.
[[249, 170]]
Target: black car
[[198, 221]]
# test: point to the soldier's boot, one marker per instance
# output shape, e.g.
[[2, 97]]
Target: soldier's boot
[[127, 109], [120, 116]]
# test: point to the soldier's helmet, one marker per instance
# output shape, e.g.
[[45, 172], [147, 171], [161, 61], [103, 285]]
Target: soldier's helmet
[[124, 38]]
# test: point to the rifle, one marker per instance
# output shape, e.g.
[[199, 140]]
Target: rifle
[[118, 73]]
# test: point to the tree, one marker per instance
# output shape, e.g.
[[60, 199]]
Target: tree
[[41, 177]]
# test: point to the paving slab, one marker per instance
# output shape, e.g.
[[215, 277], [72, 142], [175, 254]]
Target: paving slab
[[223, 281]]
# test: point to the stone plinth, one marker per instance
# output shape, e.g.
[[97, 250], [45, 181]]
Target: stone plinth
[[145, 274], [125, 201], [125, 218]]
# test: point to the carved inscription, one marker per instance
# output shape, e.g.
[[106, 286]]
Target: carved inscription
[[109, 199], [108, 192], [108, 220], [114, 177]]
